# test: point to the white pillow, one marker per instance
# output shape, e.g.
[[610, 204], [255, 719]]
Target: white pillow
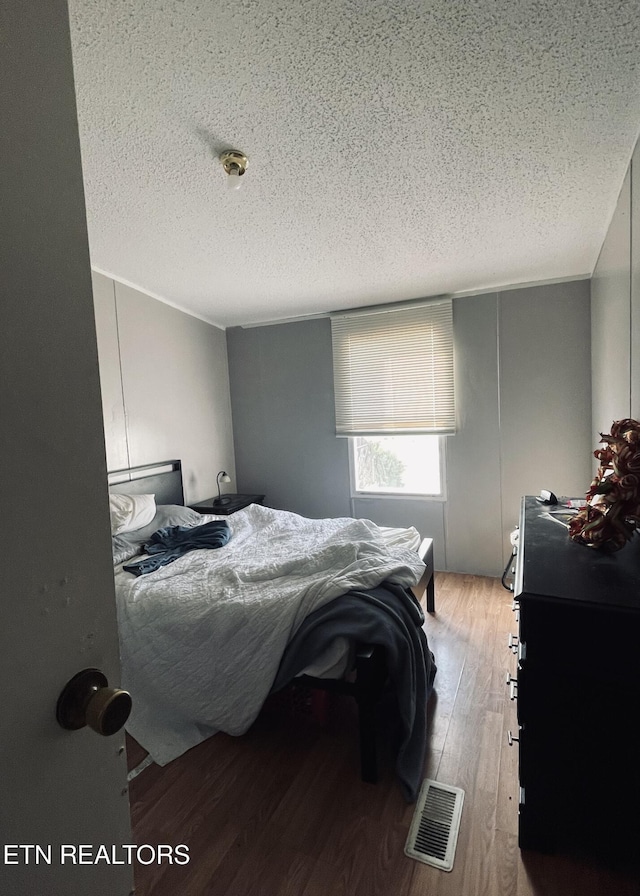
[[130, 512]]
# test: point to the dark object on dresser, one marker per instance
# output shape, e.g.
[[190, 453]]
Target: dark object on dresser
[[578, 687]]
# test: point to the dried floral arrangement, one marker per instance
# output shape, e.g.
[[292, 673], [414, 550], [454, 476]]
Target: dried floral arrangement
[[612, 513]]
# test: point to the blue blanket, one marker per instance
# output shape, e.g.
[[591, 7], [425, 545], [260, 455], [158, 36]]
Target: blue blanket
[[167, 544], [388, 616]]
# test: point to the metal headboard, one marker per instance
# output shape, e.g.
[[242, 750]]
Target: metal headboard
[[164, 480]]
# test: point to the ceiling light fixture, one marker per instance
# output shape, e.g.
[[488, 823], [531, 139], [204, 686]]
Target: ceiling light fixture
[[235, 164]]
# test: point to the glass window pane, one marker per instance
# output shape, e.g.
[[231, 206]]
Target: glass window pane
[[397, 464]]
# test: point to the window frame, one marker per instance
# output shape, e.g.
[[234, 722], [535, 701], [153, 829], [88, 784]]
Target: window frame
[[399, 495]]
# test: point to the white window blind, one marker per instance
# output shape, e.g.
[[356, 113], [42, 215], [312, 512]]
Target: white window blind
[[393, 370]]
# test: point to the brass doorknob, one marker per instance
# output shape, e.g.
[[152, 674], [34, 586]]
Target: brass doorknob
[[87, 699]]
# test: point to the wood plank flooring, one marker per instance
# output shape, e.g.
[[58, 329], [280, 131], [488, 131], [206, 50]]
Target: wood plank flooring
[[281, 811]]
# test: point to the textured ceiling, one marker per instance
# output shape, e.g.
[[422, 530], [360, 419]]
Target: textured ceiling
[[396, 149]]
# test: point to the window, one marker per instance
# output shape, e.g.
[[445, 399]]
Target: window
[[394, 394], [393, 370], [405, 465]]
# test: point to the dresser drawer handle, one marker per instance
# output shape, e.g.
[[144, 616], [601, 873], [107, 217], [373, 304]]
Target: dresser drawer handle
[[512, 643], [512, 684], [511, 738]]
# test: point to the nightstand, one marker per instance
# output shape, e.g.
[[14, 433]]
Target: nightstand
[[230, 505]]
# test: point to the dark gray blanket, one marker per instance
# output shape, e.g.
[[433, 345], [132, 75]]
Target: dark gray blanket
[[388, 616]]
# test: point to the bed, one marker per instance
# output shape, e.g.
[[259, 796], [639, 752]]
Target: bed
[[207, 635]]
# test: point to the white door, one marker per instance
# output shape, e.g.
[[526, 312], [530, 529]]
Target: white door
[[58, 788]]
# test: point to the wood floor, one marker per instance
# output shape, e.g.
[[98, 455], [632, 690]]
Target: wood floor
[[282, 810]]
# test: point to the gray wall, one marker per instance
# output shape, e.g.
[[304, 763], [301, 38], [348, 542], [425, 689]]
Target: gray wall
[[165, 387], [524, 406], [473, 454], [545, 393], [283, 418], [615, 312]]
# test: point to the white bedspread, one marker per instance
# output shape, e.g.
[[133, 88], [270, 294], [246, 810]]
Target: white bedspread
[[202, 638]]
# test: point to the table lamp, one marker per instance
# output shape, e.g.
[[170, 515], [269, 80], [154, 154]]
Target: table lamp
[[221, 477]]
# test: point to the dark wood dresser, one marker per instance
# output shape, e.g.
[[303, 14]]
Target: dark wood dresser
[[577, 686]]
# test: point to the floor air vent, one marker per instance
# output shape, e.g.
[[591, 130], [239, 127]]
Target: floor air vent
[[434, 830]]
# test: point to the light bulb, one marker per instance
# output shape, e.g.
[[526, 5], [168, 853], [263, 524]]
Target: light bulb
[[235, 164], [233, 178]]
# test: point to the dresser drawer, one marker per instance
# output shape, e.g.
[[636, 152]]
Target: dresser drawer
[[566, 640], [534, 831]]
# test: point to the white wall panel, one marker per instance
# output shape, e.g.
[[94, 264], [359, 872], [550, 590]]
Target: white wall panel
[[611, 322], [175, 383], [635, 284], [165, 387], [104, 302]]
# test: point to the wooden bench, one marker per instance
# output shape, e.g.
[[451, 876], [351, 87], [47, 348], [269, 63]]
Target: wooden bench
[[426, 583]]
